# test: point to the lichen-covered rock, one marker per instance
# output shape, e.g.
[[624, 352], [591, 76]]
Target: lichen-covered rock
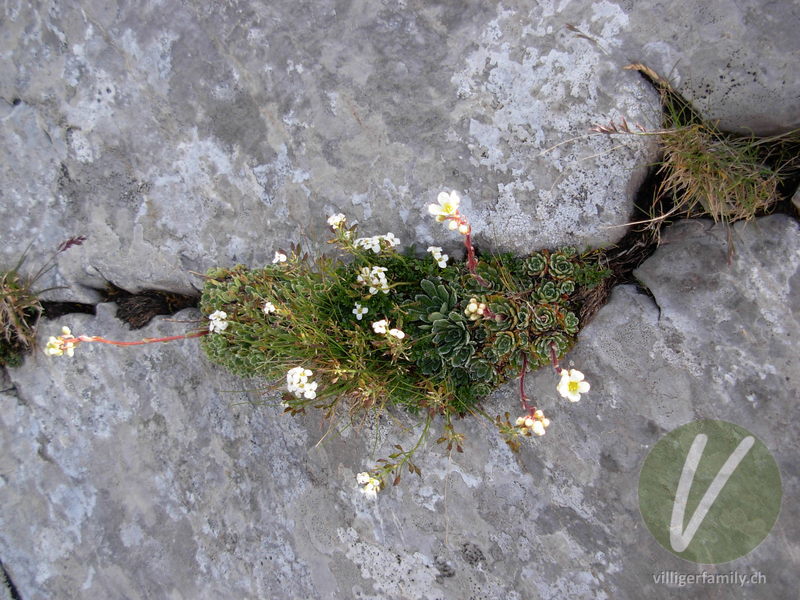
[[714, 341], [180, 136], [145, 472]]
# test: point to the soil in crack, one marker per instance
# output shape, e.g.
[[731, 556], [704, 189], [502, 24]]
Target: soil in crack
[[632, 250], [138, 309]]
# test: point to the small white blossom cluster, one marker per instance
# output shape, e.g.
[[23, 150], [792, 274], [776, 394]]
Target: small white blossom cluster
[[57, 346], [572, 384], [337, 220], [475, 309], [298, 384], [535, 423], [217, 321], [374, 278], [441, 259], [359, 311], [280, 257], [382, 327], [370, 485], [374, 243], [269, 308]]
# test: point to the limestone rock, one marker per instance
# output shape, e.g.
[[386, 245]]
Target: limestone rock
[[732, 59], [148, 472], [179, 136]]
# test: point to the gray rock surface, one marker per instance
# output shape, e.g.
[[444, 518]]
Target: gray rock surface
[[167, 481], [184, 135], [733, 59], [180, 136]]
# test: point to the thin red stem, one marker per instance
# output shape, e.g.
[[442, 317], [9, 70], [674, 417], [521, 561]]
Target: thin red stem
[[522, 397], [554, 359], [84, 338], [472, 261], [489, 313]]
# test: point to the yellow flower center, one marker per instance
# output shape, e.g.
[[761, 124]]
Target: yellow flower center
[[572, 386], [448, 207]]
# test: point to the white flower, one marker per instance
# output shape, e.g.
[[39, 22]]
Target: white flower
[[475, 309], [447, 205], [54, 347], [269, 308], [298, 384], [391, 239], [374, 243], [359, 311], [337, 220], [397, 333], [280, 257], [572, 384], [374, 279], [57, 346], [370, 485], [371, 243], [310, 390], [217, 321], [441, 259], [380, 326], [535, 423]]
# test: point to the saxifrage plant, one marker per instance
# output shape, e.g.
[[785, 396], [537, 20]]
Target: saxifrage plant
[[375, 328]]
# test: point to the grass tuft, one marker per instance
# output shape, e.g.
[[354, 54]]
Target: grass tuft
[[19, 311], [20, 307], [707, 172]]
